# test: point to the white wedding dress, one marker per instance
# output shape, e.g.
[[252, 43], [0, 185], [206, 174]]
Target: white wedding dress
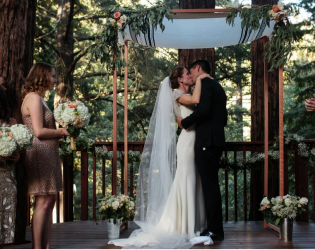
[[184, 214], [185, 209]]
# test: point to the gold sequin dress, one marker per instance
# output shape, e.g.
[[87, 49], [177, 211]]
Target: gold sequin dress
[[42, 160], [7, 200]]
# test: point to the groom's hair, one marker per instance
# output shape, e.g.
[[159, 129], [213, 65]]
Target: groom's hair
[[204, 65]]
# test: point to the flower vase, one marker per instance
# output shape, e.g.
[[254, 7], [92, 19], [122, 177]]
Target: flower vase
[[113, 229], [72, 143], [286, 229]]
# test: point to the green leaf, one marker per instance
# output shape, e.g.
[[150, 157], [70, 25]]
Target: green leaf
[[278, 221]]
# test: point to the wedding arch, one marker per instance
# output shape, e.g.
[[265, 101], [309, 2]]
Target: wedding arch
[[159, 26]]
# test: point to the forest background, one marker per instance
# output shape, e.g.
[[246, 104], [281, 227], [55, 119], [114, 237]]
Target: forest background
[[81, 76]]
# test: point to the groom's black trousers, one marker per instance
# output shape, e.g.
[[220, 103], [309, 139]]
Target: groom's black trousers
[[207, 161]]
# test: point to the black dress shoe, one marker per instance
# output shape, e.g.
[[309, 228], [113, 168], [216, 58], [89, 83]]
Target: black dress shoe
[[213, 236]]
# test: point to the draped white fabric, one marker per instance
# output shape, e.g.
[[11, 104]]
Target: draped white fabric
[[193, 32]]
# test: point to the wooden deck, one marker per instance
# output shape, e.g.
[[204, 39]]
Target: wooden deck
[[85, 234]]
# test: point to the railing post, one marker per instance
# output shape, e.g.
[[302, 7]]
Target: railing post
[[84, 185], [94, 188], [68, 188], [226, 192], [235, 189], [301, 183], [131, 180], [103, 177], [245, 186]]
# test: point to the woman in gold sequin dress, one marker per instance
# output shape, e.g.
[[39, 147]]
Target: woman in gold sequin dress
[[7, 180], [42, 161]]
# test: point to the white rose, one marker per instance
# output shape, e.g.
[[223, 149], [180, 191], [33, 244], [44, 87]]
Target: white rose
[[115, 205], [132, 204], [281, 5], [278, 199], [112, 21], [287, 202], [119, 26], [273, 200], [123, 19], [303, 201], [265, 202]]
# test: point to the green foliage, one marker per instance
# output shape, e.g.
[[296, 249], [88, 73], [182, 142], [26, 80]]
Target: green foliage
[[278, 49]]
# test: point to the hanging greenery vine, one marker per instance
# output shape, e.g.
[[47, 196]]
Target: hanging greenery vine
[[278, 48], [107, 48]]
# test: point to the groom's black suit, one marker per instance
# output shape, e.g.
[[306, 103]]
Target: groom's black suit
[[210, 117]]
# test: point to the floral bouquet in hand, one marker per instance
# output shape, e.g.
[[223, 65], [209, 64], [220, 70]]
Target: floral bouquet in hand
[[116, 207], [16, 137], [73, 116], [22, 136], [282, 207]]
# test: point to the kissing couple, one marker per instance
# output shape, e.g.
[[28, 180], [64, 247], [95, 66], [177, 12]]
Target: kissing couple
[[178, 201]]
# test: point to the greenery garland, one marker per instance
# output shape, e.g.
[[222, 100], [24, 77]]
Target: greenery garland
[[107, 47], [278, 49]]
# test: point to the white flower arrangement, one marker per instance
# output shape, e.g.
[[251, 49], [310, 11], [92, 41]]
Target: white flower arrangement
[[22, 136], [279, 12], [116, 207], [7, 143], [276, 209], [73, 113], [73, 116], [118, 20]]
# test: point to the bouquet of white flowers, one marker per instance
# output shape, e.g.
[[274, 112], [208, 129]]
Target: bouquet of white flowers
[[276, 209], [16, 137], [73, 116], [22, 136], [7, 143], [116, 207]]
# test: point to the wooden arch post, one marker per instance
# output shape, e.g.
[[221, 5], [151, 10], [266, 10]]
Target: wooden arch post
[[126, 123], [114, 162]]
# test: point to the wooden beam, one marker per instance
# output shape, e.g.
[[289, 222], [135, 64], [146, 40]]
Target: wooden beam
[[201, 10], [281, 146], [114, 166], [266, 134], [126, 122]]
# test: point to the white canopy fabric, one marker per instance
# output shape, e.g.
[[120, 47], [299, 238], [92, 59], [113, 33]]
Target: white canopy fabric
[[197, 31]]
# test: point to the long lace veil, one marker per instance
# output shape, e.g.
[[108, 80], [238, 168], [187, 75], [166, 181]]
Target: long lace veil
[[158, 162]]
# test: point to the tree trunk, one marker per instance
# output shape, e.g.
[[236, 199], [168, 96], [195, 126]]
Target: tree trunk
[[257, 119], [64, 39], [187, 56], [17, 31]]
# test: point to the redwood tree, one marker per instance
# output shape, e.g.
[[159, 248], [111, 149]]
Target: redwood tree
[[187, 56], [257, 120], [17, 30]]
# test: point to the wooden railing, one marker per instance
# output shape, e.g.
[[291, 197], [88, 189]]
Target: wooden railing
[[236, 148]]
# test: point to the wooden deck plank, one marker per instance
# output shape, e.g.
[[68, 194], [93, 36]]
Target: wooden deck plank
[[251, 234]]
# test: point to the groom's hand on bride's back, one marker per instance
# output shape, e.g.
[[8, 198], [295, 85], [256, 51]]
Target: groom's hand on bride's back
[[179, 122]]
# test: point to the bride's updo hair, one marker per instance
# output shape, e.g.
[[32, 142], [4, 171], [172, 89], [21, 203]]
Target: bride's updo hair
[[178, 72]]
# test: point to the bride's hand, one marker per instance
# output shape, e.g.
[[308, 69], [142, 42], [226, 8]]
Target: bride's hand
[[205, 75]]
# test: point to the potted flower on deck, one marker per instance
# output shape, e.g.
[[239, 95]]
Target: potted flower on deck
[[282, 210], [115, 209]]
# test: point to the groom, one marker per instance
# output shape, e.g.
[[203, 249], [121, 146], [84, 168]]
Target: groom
[[210, 117]]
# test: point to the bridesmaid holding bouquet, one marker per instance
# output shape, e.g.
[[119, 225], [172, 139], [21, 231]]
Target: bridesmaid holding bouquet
[[42, 160]]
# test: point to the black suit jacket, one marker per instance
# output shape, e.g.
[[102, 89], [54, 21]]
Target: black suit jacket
[[210, 115]]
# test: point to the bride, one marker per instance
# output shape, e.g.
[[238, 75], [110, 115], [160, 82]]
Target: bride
[[170, 208]]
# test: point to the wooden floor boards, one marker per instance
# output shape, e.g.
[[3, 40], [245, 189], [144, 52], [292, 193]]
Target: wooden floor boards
[[85, 234]]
